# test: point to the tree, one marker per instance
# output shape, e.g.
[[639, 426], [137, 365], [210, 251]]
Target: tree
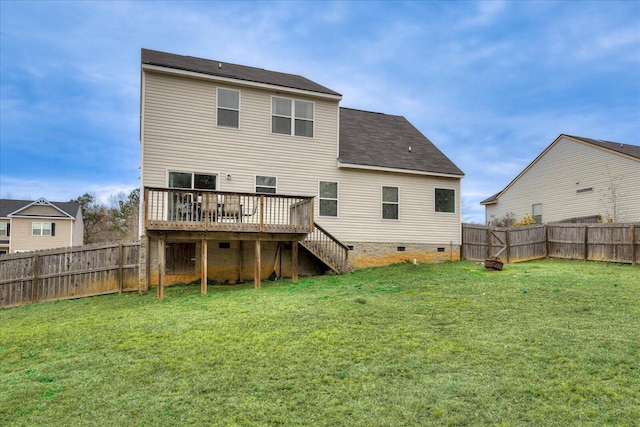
[[613, 198], [114, 223], [125, 209]]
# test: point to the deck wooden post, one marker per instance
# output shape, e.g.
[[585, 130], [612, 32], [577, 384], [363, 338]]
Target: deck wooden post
[[161, 267], [257, 266], [240, 259], [294, 261], [203, 265]]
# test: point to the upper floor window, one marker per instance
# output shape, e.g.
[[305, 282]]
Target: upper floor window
[[445, 200], [228, 108], [196, 181], [389, 202], [292, 117], [266, 184], [4, 229], [43, 229], [536, 211], [328, 198]]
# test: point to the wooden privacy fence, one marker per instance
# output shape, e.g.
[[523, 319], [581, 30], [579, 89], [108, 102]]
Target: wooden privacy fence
[[68, 273], [594, 242]]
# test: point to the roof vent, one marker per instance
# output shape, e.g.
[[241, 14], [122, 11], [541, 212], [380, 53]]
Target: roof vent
[[219, 64], [409, 148]]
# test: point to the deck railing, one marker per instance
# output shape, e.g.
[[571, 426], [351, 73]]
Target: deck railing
[[327, 248], [201, 210]]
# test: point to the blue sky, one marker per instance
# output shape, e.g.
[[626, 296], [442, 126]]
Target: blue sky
[[490, 83]]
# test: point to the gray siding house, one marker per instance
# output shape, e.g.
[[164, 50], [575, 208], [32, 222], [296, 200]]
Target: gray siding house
[[241, 166], [574, 179]]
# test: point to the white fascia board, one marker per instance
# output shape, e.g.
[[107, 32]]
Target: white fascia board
[[395, 170], [239, 82], [66, 218]]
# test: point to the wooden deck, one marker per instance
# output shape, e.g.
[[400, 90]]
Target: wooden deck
[[217, 211], [200, 215]]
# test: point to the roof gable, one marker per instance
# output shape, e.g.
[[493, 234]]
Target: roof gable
[[10, 207], [377, 140], [615, 148], [232, 71]]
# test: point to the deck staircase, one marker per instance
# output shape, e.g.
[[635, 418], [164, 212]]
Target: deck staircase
[[326, 248]]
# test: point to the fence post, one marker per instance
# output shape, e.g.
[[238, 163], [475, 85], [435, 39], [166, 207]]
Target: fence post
[[34, 286], [120, 268], [508, 243], [586, 242], [546, 241], [634, 252], [489, 243]]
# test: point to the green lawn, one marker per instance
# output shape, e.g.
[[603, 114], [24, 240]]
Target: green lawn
[[540, 343]]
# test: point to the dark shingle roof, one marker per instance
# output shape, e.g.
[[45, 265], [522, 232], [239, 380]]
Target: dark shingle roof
[[8, 206], [628, 149], [232, 71], [383, 140]]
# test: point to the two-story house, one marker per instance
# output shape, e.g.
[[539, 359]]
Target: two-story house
[[241, 166], [575, 179], [27, 225]]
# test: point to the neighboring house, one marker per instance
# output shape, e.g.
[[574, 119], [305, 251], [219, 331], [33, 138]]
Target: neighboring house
[[574, 180], [214, 132], [27, 225]]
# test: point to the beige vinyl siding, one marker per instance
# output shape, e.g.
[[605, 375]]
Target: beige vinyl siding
[[180, 134], [22, 240], [567, 167], [360, 209]]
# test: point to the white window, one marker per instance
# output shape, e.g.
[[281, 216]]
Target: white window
[[328, 198], [42, 229], [389, 202], [292, 117], [192, 180], [4, 229], [228, 108], [266, 184], [537, 212], [445, 200]]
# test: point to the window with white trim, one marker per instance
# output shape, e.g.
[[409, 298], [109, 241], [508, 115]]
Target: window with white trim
[[43, 229], [536, 211], [445, 200], [390, 203], [4, 229], [192, 180], [228, 108], [292, 117], [266, 184], [328, 198]]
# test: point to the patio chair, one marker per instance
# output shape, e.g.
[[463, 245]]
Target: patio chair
[[231, 207]]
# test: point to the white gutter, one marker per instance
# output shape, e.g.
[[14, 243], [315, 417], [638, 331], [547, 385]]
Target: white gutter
[[395, 170]]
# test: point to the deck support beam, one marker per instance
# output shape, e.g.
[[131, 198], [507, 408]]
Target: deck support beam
[[294, 261], [161, 266], [258, 266], [204, 251]]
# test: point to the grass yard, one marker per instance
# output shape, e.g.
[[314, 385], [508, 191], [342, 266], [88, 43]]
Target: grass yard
[[545, 343]]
